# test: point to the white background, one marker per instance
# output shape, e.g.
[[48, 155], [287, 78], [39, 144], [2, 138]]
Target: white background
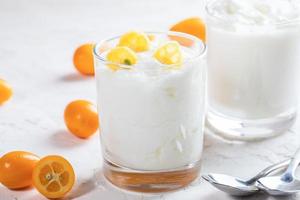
[[37, 41]]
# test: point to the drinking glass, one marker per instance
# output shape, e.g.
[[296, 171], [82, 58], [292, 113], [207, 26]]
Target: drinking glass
[[252, 77], [152, 115]]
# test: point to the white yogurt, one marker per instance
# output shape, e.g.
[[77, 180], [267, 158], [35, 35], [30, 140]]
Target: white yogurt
[[151, 118], [253, 57], [255, 12]]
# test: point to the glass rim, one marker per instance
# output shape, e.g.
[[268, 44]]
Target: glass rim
[[208, 11], [199, 53]]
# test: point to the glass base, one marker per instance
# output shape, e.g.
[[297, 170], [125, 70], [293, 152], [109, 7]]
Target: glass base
[[247, 130], [150, 181]]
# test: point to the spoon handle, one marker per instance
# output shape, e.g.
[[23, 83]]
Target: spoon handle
[[269, 170], [289, 174]]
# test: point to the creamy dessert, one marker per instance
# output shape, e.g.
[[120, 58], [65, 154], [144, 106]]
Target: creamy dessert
[[151, 103], [253, 58], [151, 117]]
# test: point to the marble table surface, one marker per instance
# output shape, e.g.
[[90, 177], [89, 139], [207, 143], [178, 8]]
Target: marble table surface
[[37, 41]]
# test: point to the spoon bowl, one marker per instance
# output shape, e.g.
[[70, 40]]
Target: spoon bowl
[[274, 185], [286, 184], [232, 185], [239, 187]]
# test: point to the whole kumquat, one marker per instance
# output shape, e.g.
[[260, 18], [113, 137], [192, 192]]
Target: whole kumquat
[[83, 59], [5, 91], [81, 118], [16, 169], [194, 26]]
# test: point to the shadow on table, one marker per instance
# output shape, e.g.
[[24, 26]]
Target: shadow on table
[[74, 77], [89, 185], [83, 189], [263, 196], [64, 139], [25, 193]]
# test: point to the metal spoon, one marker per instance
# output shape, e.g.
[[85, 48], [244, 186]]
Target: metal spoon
[[238, 187], [285, 184]]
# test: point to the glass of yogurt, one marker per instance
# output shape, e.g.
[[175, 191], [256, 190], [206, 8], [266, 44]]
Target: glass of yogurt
[[253, 60], [151, 104]]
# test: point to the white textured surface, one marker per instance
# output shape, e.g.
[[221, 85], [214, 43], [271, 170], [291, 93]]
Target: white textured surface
[[37, 40]]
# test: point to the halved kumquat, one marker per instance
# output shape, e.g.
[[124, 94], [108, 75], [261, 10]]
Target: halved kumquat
[[121, 55], [169, 53], [53, 176], [137, 41]]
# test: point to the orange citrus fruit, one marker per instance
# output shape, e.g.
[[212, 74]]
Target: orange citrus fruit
[[194, 26], [81, 118], [137, 41], [16, 169], [5, 91], [53, 176], [169, 53], [83, 59], [121, 55]]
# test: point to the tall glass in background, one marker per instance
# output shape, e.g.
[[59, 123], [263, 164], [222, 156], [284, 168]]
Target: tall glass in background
[[252, 73], [152, 116]]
